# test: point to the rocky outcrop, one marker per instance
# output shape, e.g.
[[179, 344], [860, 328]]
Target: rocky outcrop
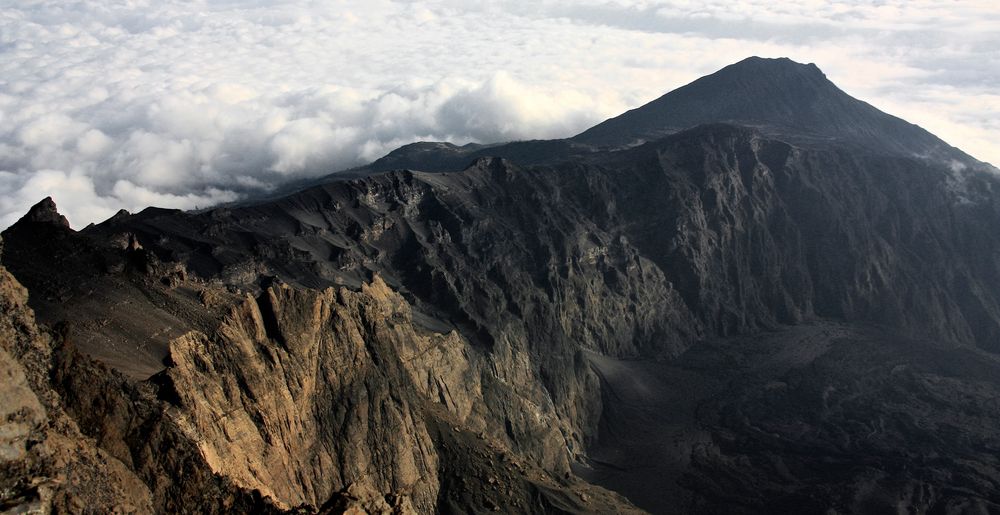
[[46, 464], [300, 400], [302, 394], [305, 393], [45, 212]]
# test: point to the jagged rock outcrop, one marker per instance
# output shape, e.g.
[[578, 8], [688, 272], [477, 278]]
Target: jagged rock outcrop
[[304, 393], [45, 212], [56, 458], [299, 400], [45, 462]]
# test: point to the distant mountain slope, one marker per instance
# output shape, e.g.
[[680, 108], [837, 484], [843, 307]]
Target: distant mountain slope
[[781, 98]]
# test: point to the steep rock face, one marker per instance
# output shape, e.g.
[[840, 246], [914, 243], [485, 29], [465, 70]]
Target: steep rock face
[[716, 229], [306, 392], [45, 462], [76, 437], [754, 232], [527, 291], [298, 400], [711, 232]]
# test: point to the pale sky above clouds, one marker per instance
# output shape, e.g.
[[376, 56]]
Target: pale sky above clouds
[[176, 103]]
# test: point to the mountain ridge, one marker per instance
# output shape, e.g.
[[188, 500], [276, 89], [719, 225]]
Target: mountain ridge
[[523, 320], [742, 93]]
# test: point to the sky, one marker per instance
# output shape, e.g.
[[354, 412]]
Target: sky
[[107, 105]]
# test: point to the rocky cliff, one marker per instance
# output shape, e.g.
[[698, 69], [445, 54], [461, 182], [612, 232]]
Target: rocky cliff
[[55, 460], [45, 461], [299, 400]]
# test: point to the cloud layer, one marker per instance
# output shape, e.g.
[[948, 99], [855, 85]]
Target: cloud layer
[[191, 103]]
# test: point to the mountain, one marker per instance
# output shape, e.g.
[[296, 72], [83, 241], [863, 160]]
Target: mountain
[[782, 99], [753, 295]]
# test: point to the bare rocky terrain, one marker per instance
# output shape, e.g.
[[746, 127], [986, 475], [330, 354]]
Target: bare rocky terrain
[[788, 302]]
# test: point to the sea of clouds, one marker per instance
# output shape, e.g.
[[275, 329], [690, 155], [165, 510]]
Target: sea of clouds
[[182, 103]]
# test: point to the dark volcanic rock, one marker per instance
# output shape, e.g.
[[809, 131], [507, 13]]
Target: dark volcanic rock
[[716, 230], [44, 212], [820, 418], [779, 97], [445, 157], [336, 414], [782, 99]]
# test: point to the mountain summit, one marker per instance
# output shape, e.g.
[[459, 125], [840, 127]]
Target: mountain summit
[[780, 97]]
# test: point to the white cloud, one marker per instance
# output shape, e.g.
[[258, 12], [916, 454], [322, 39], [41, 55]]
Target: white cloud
[[185, 103]]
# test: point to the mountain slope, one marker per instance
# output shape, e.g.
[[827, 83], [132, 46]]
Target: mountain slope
[[779, 97], [299, 401], [782, 99], [516, 323]]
